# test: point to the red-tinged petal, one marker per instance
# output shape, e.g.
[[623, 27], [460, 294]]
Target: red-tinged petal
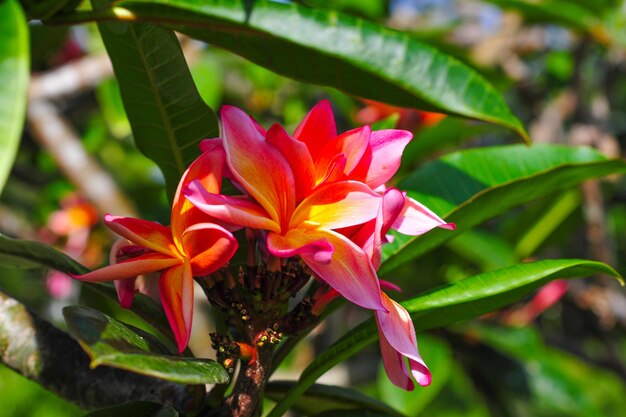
[[382, 158], [416, 219], [396, 327], [297, 242], [233, 210], [176, 289], [144, 233], [209, 247], [206, 169], [332, 172], [389, 285], [298, 157], [258, 165], [349, 271], [394, 365], [338, 205], [150, 262], [352, 144], [125, 291], [318, 128]]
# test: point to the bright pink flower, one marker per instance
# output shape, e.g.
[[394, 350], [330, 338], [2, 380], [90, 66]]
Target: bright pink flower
[[192, 246], [298, 206]]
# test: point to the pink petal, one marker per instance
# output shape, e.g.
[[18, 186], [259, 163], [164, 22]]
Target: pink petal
[[416, 219], [396, 328], [298, 157], [382, 158], [209, 247], [258, 165], [150, 262], [144, 233], [352, 144], [176, 289], [297, 242], [317, 129], [125, 291], [337, 205], [233, 210]]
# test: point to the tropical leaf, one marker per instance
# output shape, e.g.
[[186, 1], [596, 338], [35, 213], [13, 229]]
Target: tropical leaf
[[14, 72], [468, 298]]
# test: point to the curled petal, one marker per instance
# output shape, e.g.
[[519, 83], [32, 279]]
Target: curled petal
[[352, 144], [233, 210], [317, 129], [176, 289], [125, 291], [382, 158], [416, 219], [297, 242], [150, 262], [208, 246], [349, 270], [338, 205], [144, 233], [271, 182], [397, 340]]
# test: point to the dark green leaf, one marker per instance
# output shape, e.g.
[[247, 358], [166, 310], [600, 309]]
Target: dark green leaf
[[44, 9], [110, 342], [472, 186], [319, 398], [468, 298], [136, 409], [337, 50], [167, 115], [14, 71], [353, 413]]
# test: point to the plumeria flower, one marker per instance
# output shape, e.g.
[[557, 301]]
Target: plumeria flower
[[192, 246], [298, 210]]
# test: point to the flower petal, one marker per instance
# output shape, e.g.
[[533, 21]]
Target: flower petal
[[144, 233], [382, 158], [317, 129], [298, 157], [258, 165], [416, 219], [337, 205], [234, 210], [176, 289], [125, 291], [297, 242], [352, 144], [209, 247], [396, 328], [349, 270], [150, 262]]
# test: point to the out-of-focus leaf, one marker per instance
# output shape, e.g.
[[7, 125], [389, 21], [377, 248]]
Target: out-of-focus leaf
[[332, 49], [319, 398], [44, 9], [167, 115], [472, 186], [136, 409], [112, 108], [110, 342], [438, 355], [487, 250], [353, 413], [14, 71], [554, 382], [207, 74], [461, 300]]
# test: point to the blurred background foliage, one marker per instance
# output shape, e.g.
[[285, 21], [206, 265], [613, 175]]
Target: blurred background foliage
[[562, 65]]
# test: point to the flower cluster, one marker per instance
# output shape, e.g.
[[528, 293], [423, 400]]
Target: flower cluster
[[315, 195]]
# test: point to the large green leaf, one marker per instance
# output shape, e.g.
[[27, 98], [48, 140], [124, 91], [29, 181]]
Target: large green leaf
[[319, 398], [337, 50], [167, 115], [472, 186], [468, 298], [14, 70], [110, 342]]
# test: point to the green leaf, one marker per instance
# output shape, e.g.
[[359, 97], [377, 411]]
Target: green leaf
[[136, 409], [329, 48], [468, 298], [353, 413], [14, 72], [30, 250], [472, 186], [487, 250], [110, 342], [319, 398], [167, 115], [44, 9], [556, 383]]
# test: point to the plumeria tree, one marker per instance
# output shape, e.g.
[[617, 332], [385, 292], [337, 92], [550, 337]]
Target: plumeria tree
[[274, 227]]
